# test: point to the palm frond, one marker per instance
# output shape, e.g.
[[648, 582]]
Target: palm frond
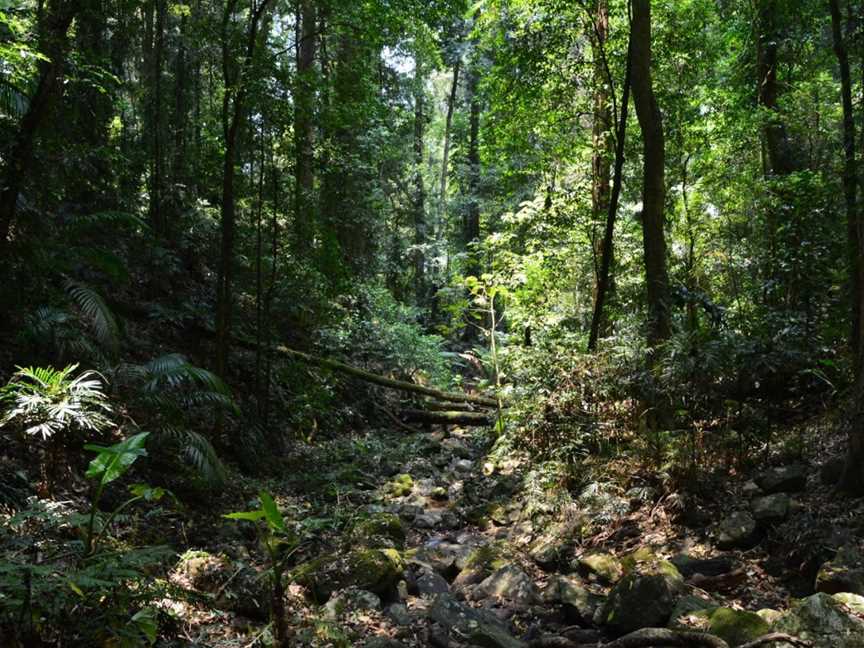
[[197, 451], [102, 320]]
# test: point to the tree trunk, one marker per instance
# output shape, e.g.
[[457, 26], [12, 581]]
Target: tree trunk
[[601, 138], [471, 218], [156, 212], [448, 124], [653, 187], [606, 252], [304, 130], [53, 42], [419, 201]]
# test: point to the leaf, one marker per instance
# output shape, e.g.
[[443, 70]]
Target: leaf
[[112, 461], [271, 512], [251, 516]]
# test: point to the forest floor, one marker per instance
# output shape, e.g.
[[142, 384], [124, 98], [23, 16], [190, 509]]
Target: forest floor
[[496, 551]]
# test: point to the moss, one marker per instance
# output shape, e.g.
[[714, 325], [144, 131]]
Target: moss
[[400, 485], [737, 626], [606, 566], [490, 557], [379, 530], [376, 570], [644, 560]]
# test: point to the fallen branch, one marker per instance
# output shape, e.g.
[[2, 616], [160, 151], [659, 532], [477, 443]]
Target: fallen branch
[[446, 418], [396, 420]]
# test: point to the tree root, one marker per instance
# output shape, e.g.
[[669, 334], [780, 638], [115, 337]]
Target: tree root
[[649, 637]]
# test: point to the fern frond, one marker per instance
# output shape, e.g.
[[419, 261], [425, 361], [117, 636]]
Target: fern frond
[[109, 219], [102, 320], [198, 452]]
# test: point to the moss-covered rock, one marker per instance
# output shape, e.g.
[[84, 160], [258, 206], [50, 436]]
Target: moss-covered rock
[[644, 598], [822, 621], [737, 626], [202, 571], [604, 566], [854, 602], [380, 530], [843, 574], [376, 570]]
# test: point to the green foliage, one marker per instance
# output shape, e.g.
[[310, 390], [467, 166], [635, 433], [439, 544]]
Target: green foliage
[[46, 402]]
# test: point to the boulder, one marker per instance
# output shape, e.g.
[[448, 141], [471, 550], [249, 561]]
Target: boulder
[[380, 530], [737, 530], [736, 627], [822, 621], [376, 570], [430, 583], [476, 627], [548, 550], [644, 598], [854, 602], [399, 614], [510, 583], [843, 574], [351, 599], [783, 479], [689, 612], [603, 566], [770, 508], [580, 605]]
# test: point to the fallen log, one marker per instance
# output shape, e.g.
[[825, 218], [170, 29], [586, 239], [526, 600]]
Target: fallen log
[[446, 418], [434, 406], [384, 381]]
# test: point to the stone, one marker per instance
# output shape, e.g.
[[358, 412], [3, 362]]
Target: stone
[[770, 508], [241, 589], [854, 602], [247, 593], [457, 447], [580, 604], [716, 566], [429, 520], [510, 583], [603, 566], [750, 489], [477, 627], [822, 621], [783, 479], [737, 627], [737, 530], [644, 598], [463, 466], [382, 642], [376, 570], [439, 493], [204, 571], [843, 574], [547, 551], [398, 613], [350, 600], [380, 530], [690, 612], [430, 583]]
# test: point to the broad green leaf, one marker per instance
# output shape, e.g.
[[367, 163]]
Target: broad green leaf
[[112, 461], [271, 512], [251, 516]]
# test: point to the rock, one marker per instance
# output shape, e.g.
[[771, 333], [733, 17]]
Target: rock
[[580, 604], [247, 593], [769, 615], [431, 583], [750, 489], [350, 600], [381, 530], [376, 570], [644, 598], [830, 471], [241, 589], [429, 520], [203, 571], [737, 626], [717, 566], [737, 530], [689, 612], [512, 584], [603, 566], [463, 466], [854, 602], [457, 447], [401, 485], [382, 642], [770, 508], [822, 621], [548, 550], [843, 574], [783, 479], [439, 493], [399, 614], [477, 627]]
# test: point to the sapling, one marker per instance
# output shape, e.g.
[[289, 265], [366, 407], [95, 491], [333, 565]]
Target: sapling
[[277, 540]]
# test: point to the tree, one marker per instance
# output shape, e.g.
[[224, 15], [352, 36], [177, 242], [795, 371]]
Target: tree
[[419, 202], [53, 43], [304, 129], [653, 176]]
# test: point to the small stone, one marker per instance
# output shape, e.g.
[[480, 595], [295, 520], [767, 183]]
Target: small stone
[[750, 489], [843, 574], [580, 604], [823, 621], [399, 614], [428, 520], [457, 447], [464, 466], [642, 599], [510, 583], [737, 530], [783, 479], [770, 508], [431, 583]]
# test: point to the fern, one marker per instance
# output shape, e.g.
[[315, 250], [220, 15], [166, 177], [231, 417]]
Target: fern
[[102, 320], [197, 451], [188, 384]]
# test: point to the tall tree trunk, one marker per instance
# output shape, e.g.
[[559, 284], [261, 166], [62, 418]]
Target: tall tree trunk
[[157, 215], [448, 124], [602, 142], [653, 174], [606, 253], [304, 130], [53, 43], [471, 217], [233, 113], [419, 201], [852, 479]]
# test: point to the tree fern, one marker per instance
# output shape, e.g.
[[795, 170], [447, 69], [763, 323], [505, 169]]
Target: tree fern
[[102, 321]]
